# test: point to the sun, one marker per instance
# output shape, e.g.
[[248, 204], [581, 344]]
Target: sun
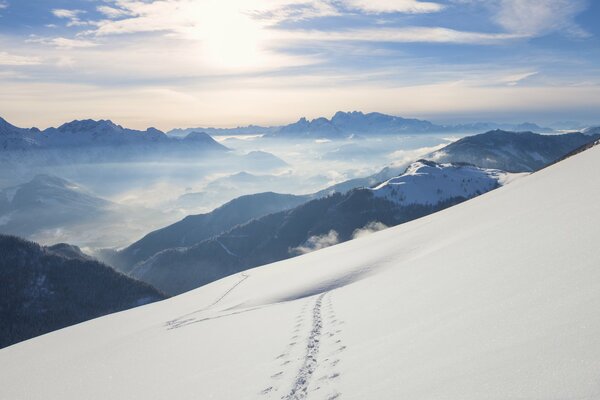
[[229, 37]]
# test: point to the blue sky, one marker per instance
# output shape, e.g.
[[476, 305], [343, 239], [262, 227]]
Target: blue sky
[[171, 63]]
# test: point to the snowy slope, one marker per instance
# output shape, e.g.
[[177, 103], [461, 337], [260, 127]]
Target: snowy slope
[[496, 298], [426, 182]]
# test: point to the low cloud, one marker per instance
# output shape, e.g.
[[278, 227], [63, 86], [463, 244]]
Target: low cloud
[[366, 230], [317, 242], [400, 158]]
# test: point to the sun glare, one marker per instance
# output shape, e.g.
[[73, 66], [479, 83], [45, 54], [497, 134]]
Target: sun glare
[[229, 37]]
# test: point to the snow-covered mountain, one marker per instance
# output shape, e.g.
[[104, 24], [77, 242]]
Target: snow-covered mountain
[[175, 259], [426, 182], [495, 298], [508, 151], [102, 133], [13, 138]]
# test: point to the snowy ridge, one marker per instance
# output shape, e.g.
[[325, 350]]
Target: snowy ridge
[[495, 298], [91, 133], [426, 182]]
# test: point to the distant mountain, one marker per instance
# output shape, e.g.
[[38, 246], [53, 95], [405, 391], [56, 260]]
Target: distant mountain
[[195, 228], [46, 288], [240, 130], [47, 202], [355, 123], [49, 209], [223, 189], [205, 140], [98, 134], [327, 220], [13, 138], [314, 129], [261, 160], [344, 124], [511, 151], [489, 126]]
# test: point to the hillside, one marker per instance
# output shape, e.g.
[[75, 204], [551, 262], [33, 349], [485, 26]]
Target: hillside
[[511, 151], [310, 226], [495, 298], [195, 228], [49, 288]]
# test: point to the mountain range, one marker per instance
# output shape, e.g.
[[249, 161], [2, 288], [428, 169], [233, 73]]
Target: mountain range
[[194, 229], [345, 124], [185, 255], [425, 188], [91, 133]]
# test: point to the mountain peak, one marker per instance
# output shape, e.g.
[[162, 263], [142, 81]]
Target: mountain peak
[[88, 125], [6, 126]]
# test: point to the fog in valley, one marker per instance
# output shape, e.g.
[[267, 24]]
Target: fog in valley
[[109, 202]]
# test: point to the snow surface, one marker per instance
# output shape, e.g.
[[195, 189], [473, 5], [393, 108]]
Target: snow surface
[[425, 182], [496, 298]]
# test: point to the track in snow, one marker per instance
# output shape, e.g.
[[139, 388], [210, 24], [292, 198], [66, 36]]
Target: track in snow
[[183, 321], [244, 277], [300, 388], [319, 357]]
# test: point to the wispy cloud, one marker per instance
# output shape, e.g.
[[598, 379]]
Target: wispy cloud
[[62, 42], [113, 12], [71, 15], [63, 13], [3, 4], [17, 60], [514, 79], [405, 35], [534, 18], [393, 6]]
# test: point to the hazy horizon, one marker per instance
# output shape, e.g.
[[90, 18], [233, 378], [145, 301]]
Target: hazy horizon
[[454, 119]]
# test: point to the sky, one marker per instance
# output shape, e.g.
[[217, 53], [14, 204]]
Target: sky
[[182, 63]]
